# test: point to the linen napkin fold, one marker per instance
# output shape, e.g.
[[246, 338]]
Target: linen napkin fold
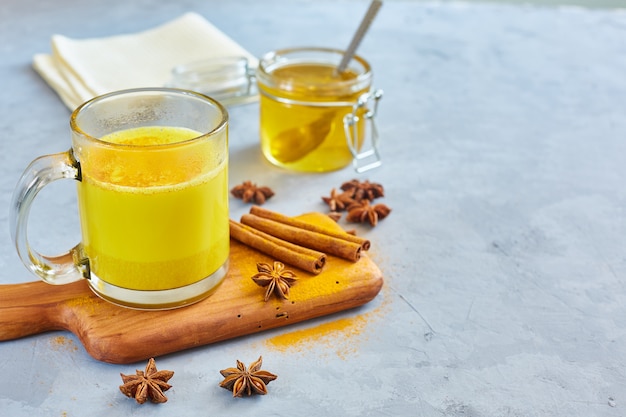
[[80, 69]]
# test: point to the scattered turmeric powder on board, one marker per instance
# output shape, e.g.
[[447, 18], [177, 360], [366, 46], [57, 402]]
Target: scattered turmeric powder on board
[[87, 303], [314, 287]]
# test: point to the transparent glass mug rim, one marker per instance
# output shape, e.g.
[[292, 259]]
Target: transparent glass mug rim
[[74, 123], [272, 60]]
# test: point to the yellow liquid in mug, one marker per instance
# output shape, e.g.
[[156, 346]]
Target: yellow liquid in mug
[[142, 235], [308, 137]]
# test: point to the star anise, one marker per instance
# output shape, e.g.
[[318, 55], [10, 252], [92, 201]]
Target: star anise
[[363, 211], [276, 279], [338, 201], [249, 381], [249, 192], [148, 384], [334, 215], [365, 190]]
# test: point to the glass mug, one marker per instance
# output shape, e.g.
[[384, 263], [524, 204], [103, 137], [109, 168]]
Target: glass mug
[[312, 118], [151, 166]]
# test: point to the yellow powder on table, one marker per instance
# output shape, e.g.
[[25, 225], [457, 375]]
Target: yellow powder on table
[[330, 335], [62, 342], [342, 336]]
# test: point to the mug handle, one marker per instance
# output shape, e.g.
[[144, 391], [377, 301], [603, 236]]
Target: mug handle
[[62, 269]]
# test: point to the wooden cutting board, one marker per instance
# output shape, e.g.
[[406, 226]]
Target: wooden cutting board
[[119, 335]]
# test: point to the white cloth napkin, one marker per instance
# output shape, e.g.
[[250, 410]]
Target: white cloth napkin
[[80, 69]]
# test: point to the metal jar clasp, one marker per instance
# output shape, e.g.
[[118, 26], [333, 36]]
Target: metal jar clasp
[[364, 160]]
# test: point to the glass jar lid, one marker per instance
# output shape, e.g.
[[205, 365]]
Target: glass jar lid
[[230, 80]]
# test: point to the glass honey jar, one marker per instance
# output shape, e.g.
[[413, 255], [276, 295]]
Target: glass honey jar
[[313, 118]]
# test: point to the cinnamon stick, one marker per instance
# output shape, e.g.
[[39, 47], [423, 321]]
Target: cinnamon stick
[[286, 252], [313, 240], [281, 218]]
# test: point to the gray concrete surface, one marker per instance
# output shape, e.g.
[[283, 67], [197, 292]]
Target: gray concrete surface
[[505, 254]]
